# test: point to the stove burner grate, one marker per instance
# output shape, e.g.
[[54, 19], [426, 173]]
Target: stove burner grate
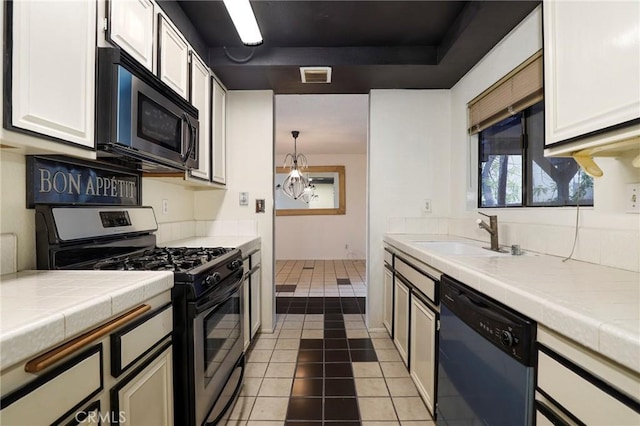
[[177, 259]]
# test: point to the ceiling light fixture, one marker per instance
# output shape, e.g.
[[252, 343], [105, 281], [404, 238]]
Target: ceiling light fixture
[[245, 21], [296, 185]]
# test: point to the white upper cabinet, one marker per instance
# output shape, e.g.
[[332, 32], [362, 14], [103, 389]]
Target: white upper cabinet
[[173, 61], [591, 66], [131, 28], [219, 133], [201, 99], [53, 70]]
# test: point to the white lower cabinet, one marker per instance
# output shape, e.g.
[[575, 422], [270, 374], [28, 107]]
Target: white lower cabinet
[[252, 297], [120, 372], [423, 338], [57, 392], [572, 389], [387, 314], [246, 315], [401, 308], [145, 397], [255, 294]]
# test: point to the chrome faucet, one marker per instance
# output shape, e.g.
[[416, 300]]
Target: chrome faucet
[[492, 229]]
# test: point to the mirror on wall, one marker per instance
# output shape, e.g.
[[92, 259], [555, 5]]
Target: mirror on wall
[[329, 189]]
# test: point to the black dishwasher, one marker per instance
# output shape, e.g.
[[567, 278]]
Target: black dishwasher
[[486, 360]]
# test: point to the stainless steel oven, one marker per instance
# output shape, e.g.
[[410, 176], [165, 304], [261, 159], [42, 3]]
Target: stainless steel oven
[[218, 348], [140, 119]]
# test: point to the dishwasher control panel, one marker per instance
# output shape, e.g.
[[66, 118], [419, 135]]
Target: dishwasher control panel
[[508, 330]]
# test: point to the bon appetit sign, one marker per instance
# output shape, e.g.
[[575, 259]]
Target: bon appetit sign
[[62, 181]]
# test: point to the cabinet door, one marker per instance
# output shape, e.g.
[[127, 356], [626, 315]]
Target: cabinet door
[[146, 397], [200, 98], [246, 323], [401, 319], [423, 350], [256, 300], [219, 133], [591, 66], [173, 57], [53, 69], [131, 28], [387, 319]]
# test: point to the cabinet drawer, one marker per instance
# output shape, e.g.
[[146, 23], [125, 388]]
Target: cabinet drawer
[[131, 343], [571, 387], [419, 280], [388, 257], [255, 259], [56, 394]]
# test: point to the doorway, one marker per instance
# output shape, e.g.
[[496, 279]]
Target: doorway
[[321, 256]]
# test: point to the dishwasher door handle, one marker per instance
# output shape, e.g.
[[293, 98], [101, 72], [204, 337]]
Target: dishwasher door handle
[[479, 306]]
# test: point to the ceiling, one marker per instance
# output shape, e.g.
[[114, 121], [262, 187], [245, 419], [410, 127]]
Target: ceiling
[[328, 124], [368, 44]]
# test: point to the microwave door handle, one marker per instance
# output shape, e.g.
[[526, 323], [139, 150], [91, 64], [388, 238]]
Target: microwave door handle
[[192, 138]]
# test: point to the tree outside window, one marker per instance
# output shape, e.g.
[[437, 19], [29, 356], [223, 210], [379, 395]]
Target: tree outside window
[[514, 172]]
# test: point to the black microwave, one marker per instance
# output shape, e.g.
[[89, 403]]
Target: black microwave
[[140, 121]]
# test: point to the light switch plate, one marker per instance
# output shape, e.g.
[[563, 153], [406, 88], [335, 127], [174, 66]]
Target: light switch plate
[[244, 198], [632, 198]]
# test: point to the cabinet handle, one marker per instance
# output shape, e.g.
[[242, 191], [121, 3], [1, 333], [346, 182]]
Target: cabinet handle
[[56, 354]]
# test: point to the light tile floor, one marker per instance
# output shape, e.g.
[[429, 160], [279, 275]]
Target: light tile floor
[[319, 278]]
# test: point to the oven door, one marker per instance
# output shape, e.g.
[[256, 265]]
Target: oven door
[[218, 346]]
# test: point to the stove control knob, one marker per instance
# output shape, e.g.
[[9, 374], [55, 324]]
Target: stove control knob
[[506, 338], [212, 279], [236, 264]]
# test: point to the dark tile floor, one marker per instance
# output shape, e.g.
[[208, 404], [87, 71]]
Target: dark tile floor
[[322, 367]]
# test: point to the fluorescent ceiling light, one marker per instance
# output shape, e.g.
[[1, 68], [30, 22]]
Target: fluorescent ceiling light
[[244, 21]]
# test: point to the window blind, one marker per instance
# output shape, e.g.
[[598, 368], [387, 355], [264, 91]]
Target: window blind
[[516, 91]]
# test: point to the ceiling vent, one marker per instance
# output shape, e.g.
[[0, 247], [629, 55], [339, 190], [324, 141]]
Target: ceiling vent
[[315, 74]]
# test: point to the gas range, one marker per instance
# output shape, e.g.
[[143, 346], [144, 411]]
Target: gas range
[[121, 238]]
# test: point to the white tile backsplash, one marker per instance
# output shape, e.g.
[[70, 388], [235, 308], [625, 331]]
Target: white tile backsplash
[[608, 247], [8, 253], [226, 228], [170, 231]]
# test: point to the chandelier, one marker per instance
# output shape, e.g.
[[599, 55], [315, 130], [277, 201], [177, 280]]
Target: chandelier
[[296, 185]]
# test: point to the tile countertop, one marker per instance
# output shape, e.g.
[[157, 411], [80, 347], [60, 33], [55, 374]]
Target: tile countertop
[[41, 309], [596, 306], [244, 243]]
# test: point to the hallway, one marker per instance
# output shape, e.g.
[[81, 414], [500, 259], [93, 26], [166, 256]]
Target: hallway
[[321, 365]]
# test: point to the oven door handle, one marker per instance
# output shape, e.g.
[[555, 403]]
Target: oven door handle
[[216, 298]]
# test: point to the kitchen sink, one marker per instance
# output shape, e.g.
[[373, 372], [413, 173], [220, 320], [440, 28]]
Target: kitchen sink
[[457, 248]]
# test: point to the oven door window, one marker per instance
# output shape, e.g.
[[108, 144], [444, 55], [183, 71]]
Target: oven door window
[[158, 125], [222, 330]]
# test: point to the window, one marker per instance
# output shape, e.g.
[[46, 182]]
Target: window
[[514, 172]]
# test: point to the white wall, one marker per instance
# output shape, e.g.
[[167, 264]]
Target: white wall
[[607, 235], [409, 134], [325, 236], [249, 169]]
